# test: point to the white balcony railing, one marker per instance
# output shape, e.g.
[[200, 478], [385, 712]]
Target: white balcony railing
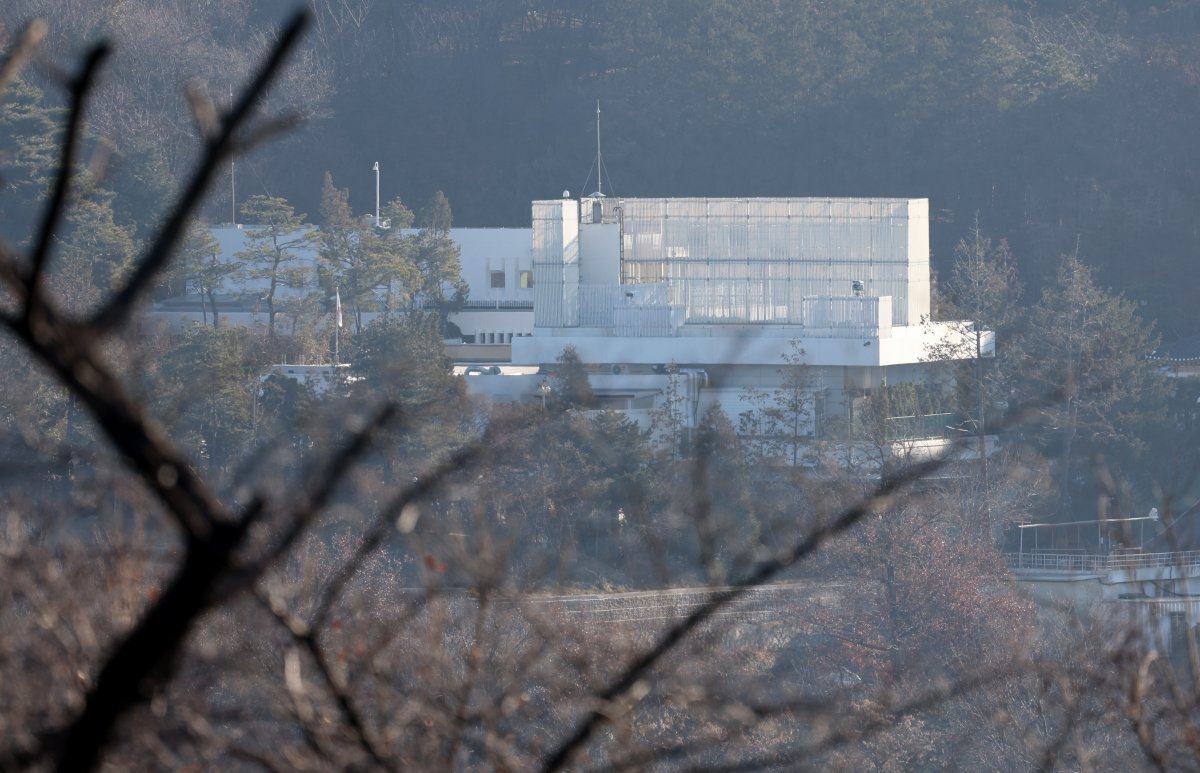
[[1063, 561], [849, 314]]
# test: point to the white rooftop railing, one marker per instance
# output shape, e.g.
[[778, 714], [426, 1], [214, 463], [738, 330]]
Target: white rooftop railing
[[1082, 562], [848, 312]]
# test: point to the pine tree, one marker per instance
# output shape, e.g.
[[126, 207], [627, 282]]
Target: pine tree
[[1084, 358], [95, 250], [435, 216], [29, 136], [360, 260], [199, 265], [278, 240], [437, 258], [571, 388]]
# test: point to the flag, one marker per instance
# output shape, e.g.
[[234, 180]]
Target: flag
[[338, 305]]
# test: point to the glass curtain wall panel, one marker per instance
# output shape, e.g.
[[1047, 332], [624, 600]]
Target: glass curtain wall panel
[[755, 260]]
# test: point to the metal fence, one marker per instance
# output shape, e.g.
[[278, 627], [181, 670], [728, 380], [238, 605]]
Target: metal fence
[[1085, 562]]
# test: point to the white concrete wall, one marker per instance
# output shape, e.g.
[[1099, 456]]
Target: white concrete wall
[[600, 254], [483, 250], [918, 262], [556, 262], [717, 345], [511, 323]]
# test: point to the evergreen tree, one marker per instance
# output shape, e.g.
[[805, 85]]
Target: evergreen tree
[[571, 388], [435, 215], [278, 239], [29, 136], [199, 266], [345, 246], [1084, 358], [437, 258], [398, 215], [140, 177], [359, 260], [207, 379], [402, 359], [95, 249]]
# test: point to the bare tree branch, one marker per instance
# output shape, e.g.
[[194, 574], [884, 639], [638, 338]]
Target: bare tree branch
[[315, 497], [385, 523], [118, 308], [31, 37], [142, 659], [80, 88], [307, 639], [636, 671]]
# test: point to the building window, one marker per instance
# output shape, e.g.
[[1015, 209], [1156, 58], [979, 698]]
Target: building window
[[497, 279], [526, 280]]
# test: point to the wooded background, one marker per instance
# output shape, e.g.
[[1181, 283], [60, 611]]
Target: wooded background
[[1060, 122]]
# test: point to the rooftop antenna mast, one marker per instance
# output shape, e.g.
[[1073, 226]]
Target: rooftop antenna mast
[[597, 164], [599, 161]]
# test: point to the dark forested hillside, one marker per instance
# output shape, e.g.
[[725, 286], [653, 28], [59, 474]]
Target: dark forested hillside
[[1062, 123]]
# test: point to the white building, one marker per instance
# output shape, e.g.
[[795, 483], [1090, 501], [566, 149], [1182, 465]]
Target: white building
[[723, 288], [496, 265]]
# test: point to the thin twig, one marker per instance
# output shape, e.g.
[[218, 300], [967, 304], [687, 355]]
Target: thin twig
[[316, 497], [385, 523], [307, 638], [634, 673]]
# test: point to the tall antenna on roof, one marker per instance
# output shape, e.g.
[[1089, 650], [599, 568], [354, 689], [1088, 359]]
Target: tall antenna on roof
[[599, 162]]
